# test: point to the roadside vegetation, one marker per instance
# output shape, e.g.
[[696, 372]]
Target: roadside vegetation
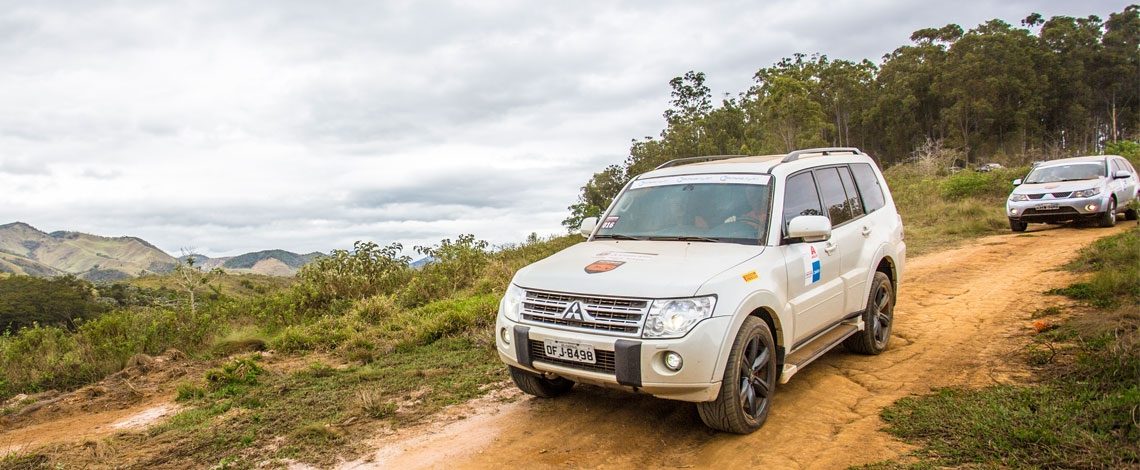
[[373, 342], [1083, 411]]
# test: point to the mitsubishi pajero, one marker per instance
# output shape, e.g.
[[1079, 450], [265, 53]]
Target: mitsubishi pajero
[[712, 279]]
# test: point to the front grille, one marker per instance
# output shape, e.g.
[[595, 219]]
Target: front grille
[[606, 314], [605, 359], [1065, 211], [1062, 195]]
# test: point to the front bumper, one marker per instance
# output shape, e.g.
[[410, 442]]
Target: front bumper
[[632, 364], [1068, 209]]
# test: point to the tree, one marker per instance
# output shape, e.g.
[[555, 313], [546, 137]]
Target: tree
[[190, 277]]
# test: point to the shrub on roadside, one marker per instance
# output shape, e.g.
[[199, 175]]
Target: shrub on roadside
[[455, 266], [349, 275]]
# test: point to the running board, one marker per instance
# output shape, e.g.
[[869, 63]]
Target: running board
[[818, 347]]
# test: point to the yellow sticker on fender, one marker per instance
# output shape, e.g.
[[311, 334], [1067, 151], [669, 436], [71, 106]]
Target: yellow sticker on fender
[[750, 276]]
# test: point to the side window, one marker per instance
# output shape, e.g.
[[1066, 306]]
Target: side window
[[1115, 166], [852, 195], [834, 199], [800, 197], [868, 186]]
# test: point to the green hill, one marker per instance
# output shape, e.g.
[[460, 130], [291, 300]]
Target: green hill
[[27, 250]]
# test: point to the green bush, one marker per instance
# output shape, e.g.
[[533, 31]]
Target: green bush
[[455, 266], [48, 357], [362, 272], [63, 301], [1129, 149], [967, 184]]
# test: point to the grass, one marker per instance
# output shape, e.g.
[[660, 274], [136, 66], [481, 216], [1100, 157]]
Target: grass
[[939, 211], [1083, 412], [244, 413]]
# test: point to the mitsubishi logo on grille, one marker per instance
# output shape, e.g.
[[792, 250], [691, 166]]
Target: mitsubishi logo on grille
[[575, 312]]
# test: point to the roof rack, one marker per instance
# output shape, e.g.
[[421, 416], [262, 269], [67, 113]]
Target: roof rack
[[688, 160], [822, 151]]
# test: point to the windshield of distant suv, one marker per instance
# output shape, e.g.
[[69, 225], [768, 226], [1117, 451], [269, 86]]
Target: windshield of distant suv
[[1069, 172], [730, 208]]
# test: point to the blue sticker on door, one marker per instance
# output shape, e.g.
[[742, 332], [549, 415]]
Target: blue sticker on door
[[812, 268]]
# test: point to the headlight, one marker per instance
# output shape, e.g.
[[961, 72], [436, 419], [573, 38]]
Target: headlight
[[1087, 192], [673, 318], [1019, 197], [512, 302]]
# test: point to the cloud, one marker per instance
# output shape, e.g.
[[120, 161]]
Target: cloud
[[23, 167]]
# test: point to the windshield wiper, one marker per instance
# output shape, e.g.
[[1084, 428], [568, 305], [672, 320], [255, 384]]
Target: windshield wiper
[[618, 236], [688, 238]]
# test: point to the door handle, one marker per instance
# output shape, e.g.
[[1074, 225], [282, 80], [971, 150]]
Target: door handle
[[829, 247], [866, 231]]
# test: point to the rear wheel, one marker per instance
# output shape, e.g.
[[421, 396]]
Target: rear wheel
[[1017, 225], [1108, 218], [877, 318], [538, 385], [749, 382], [1130, 214]]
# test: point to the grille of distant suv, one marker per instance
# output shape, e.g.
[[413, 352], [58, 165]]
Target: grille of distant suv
[[620, 316]]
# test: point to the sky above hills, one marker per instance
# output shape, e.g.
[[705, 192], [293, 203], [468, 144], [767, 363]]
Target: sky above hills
[[232, 126]]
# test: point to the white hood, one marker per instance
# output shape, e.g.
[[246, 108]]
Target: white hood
[[644, 269]]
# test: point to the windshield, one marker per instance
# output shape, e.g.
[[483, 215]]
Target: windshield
[[730, 208], [1070, 172]]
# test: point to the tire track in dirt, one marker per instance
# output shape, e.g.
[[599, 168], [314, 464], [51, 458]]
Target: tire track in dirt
[[962, 318]]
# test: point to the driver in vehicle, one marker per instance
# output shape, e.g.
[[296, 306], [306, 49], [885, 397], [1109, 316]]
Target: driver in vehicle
[[757, 214]]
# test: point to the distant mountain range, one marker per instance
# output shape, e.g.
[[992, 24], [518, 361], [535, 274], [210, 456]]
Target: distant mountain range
[[270, 262], [27, 250]]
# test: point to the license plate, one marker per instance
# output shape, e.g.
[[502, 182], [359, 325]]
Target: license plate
[[1047, 207], [583, 353]]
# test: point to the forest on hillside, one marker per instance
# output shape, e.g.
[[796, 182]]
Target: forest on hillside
[[1046, 88]]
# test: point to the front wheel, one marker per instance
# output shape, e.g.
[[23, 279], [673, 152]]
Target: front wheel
[[749, 382], [877, 318], [1017, 225], [538, 385], [1108, 218]]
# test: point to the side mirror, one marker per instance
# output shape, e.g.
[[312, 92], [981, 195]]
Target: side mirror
[[588, 225], [811, 228], [1017, 182], [1123, 174]]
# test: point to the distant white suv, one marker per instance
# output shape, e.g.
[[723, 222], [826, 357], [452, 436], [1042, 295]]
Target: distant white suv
[[709, 279]]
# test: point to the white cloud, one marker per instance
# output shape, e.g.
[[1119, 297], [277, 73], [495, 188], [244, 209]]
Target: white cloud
[[233, 127]]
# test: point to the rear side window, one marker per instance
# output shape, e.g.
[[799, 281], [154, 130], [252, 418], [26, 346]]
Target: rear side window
[[869, 187], [834, 198], [800, 197], [852, 195]]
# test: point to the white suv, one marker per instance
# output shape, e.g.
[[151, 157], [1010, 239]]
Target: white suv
[[709, 279]]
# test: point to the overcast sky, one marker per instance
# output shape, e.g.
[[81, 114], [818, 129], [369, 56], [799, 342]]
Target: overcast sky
[[240, 126]]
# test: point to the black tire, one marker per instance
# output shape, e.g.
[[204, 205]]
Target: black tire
[[1130, 214], [538, 385], [1108, 218], [1017, 225], [877, 318], [749, 382]]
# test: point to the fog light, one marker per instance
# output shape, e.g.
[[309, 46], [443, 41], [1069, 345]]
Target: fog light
[[673, 361], [1091, 208], [505, 336], [1013, 212]]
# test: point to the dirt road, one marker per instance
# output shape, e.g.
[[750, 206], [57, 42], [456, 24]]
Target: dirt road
[[962, 319]]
